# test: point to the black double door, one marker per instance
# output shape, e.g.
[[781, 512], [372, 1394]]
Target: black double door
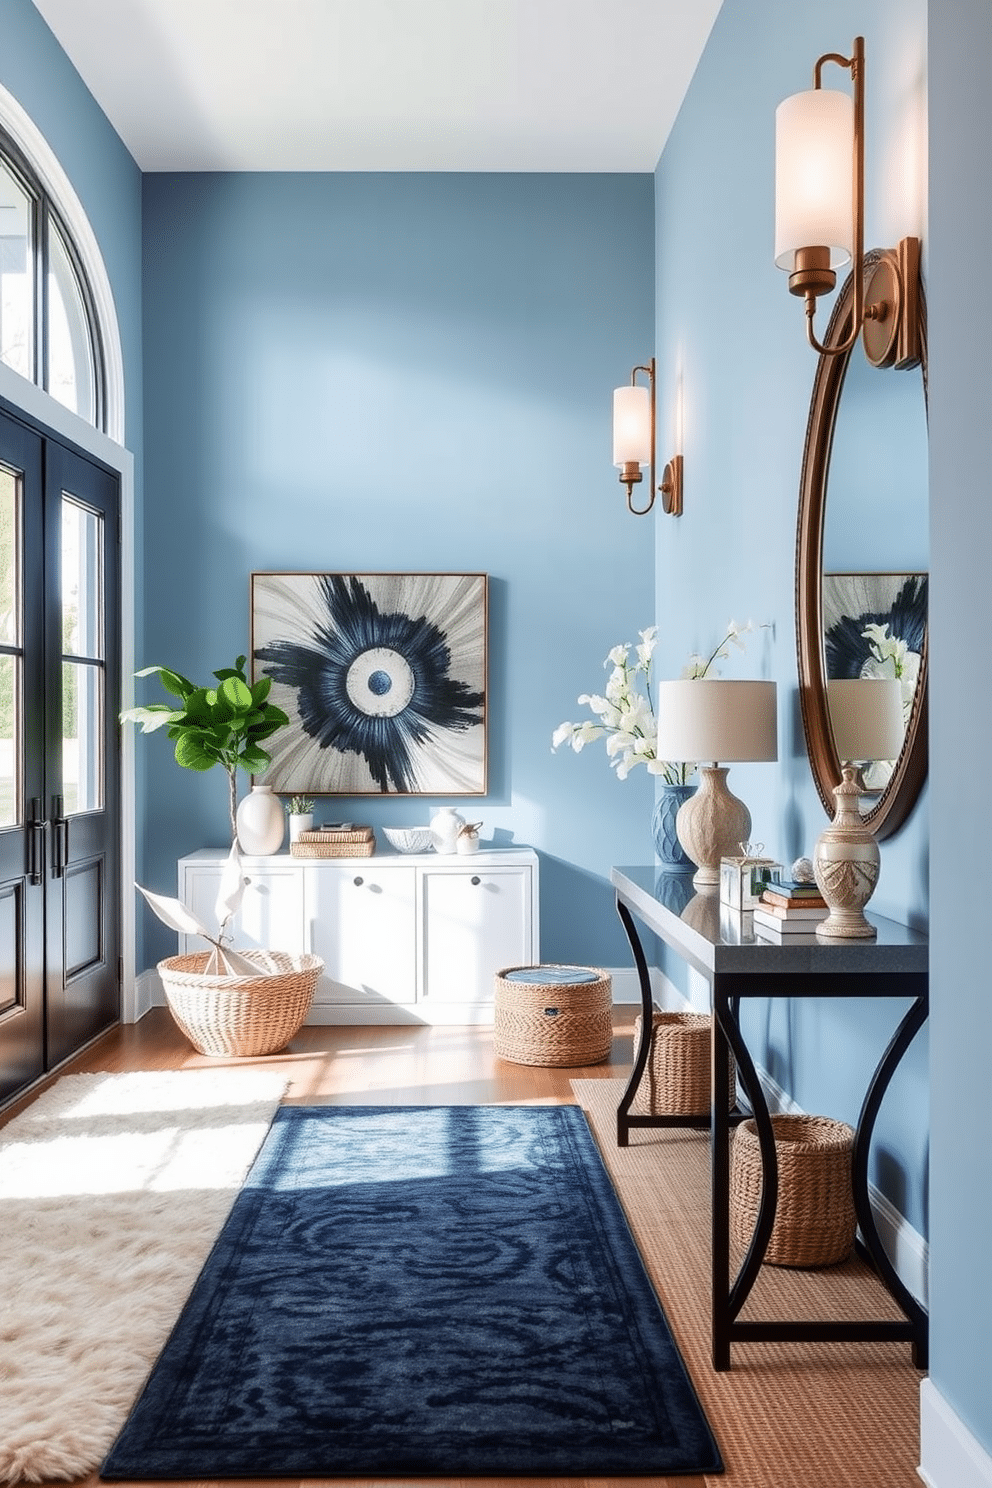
[[59, 752]]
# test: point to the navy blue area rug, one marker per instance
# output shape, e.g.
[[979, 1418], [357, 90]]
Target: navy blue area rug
[[438, 1291]]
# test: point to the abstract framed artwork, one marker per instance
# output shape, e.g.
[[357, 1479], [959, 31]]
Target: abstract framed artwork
[[384, 679], [875, 625]]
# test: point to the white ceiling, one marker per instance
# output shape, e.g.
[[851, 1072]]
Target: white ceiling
[[390, 85]]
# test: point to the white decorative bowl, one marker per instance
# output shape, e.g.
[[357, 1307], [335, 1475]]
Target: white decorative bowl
[[409, 839]]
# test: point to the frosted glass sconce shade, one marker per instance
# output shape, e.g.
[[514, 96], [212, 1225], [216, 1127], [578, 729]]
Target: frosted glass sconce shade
[[814, 154], [632, 426]]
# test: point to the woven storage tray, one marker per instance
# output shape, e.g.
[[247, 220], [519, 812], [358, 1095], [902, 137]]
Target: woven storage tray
[[559, 1023], [814, 1218], [329, 847], [240, 1016], [676, 1079]]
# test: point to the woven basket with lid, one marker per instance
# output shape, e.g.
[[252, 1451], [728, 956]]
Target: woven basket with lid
[[815, 1220], [553, 1015]]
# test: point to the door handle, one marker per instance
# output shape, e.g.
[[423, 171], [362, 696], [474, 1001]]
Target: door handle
[[60, 838], [36, 843]]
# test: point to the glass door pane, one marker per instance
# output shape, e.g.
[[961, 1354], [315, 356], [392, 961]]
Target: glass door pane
[[11, 643], [83, 663]]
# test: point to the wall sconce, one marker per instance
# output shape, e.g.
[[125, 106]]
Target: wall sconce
[[634, 445], [819, 219]]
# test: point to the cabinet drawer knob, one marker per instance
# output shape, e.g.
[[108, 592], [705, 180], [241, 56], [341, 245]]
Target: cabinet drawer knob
[[359, 880], [476, 879]]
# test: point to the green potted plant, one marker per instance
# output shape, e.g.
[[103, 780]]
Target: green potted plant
[[223, 725]]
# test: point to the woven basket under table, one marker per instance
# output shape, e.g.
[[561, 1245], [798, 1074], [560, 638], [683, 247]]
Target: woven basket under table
[[815, 1220], [676, 1079], [553, 1015], [240, 1016]]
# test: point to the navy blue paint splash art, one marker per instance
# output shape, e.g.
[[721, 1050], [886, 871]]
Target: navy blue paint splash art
[[383, 677]]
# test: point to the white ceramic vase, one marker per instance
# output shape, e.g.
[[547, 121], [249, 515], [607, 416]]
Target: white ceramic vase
[[445, 825], [260, 822]]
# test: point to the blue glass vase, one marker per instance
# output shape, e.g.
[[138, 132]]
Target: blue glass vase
[[666, 809]]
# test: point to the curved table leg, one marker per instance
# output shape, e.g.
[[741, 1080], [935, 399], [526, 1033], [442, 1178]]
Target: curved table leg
[[900, 1042], [647, 1008], [729, 1299]]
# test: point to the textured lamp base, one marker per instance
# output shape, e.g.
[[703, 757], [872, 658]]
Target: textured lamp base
[[846, 863], [711, 825]]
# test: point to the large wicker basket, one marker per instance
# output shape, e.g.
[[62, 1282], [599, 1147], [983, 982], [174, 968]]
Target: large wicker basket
[[815, 1221], [240, 1016], [676, 1079], [553, 1015]]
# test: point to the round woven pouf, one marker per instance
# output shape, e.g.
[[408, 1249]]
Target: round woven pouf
[[676, 1079], [814, 1218], [240, 1016], [553, 1015]]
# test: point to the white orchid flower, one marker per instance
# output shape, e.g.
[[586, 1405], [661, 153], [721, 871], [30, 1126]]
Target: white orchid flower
[[585, 734], [625, 715]]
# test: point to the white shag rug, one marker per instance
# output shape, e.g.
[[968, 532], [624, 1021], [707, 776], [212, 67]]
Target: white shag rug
[[112, 1190]]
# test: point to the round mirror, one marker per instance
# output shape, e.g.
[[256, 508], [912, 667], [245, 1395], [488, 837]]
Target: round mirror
[[862, 557]]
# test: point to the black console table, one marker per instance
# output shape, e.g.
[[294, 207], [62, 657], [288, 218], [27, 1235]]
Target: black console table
[[723, 947]]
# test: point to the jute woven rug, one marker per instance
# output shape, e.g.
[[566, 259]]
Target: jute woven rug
[[787, 1415]]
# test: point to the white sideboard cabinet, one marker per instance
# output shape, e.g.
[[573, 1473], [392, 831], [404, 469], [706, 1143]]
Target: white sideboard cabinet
[[412, 938]]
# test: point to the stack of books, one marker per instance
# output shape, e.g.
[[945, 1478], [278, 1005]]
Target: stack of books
[[789, 909], [336, 840]]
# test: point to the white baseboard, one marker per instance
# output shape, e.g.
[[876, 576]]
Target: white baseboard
[[950, 1456], [149, 993]]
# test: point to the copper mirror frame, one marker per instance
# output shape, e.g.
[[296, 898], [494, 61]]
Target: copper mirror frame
[[909, 773]]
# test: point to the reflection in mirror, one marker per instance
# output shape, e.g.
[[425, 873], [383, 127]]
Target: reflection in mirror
[[862, 558], [876, 538]]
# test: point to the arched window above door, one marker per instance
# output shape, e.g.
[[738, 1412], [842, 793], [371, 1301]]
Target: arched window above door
[[58, 321], [48, 330]]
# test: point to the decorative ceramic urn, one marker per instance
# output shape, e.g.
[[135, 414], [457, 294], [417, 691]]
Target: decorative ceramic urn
[[846, 863]]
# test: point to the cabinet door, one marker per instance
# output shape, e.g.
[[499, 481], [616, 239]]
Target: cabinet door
[[362, 921], [476, 922], [271, 913]]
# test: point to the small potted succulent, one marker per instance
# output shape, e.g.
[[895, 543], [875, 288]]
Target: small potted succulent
[[299, 809]]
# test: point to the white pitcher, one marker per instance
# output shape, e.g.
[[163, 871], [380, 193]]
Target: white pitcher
[[445, 826]]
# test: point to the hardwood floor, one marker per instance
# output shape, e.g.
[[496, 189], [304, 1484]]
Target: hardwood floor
[[360, 1066]]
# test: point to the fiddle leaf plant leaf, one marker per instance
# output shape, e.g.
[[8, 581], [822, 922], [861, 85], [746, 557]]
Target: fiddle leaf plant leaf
[[220, 725]]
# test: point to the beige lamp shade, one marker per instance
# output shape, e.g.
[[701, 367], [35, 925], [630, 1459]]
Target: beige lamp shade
[[866, 717], [713, 719], [814, 163], [631, 425]]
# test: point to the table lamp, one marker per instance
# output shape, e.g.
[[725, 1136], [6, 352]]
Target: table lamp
[[705, 720], [867, 724]]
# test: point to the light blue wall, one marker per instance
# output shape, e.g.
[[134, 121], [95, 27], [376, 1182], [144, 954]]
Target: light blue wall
[[961, 715], [406, 372], [37, 72], [728, 326]]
